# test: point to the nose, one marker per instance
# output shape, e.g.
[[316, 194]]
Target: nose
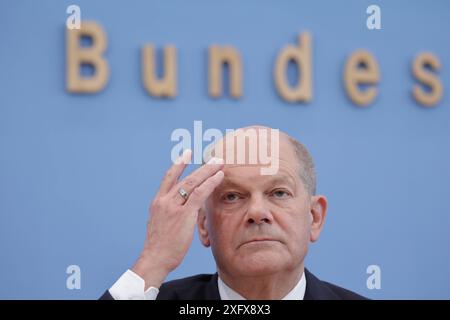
[[258, 212]]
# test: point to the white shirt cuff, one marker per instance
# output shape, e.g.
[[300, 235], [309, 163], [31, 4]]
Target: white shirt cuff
[[130, 286]]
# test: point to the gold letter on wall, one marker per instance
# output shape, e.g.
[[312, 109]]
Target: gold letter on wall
[[301, 55], [78, 55], [167, 85], [428, 79], [218, 56], [355, 75]]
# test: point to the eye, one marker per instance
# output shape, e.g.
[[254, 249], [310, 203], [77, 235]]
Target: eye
[[230, 197], [280, 194]]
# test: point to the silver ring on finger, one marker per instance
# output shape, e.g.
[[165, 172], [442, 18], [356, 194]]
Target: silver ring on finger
[[183, 193]]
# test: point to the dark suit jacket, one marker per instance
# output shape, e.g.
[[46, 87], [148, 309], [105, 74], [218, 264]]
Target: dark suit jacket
[[204, 287]]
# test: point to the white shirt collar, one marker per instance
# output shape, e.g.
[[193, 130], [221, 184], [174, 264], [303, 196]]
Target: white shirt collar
[[297, 293]]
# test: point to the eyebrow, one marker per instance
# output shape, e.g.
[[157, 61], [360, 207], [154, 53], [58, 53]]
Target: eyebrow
[[228, 182], [283, 180]]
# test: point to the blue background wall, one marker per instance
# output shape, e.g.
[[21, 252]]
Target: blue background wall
[[77, 172]]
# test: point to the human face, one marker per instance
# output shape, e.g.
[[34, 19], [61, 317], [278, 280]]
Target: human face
[[259, 224]]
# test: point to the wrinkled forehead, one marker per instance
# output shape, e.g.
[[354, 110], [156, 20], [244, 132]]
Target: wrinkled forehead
[[243, 146], [254, 146]]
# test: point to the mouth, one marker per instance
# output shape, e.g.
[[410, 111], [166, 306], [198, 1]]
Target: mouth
[[259, 241]]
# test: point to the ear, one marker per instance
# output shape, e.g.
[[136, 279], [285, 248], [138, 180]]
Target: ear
[[318, 213], [202, 230]]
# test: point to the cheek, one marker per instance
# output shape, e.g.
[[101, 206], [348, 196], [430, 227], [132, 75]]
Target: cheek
[[296, 227], [223, 230]]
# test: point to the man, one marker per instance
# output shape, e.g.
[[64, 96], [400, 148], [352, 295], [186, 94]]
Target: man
[[258, 225]]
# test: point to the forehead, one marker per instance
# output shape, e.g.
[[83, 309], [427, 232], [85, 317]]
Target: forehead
[[250, 176], [255, 146], [249, 153]]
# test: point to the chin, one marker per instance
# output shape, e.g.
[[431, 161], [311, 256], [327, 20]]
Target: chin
[[261, 263]]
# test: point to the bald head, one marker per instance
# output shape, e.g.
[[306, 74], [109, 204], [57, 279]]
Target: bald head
[[263, 146]]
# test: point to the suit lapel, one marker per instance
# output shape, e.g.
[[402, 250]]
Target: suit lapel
[[316, 289], [212, 288]]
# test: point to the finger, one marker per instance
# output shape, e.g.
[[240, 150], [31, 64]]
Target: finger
[[172, 175], [195, 179], [203, 191]]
